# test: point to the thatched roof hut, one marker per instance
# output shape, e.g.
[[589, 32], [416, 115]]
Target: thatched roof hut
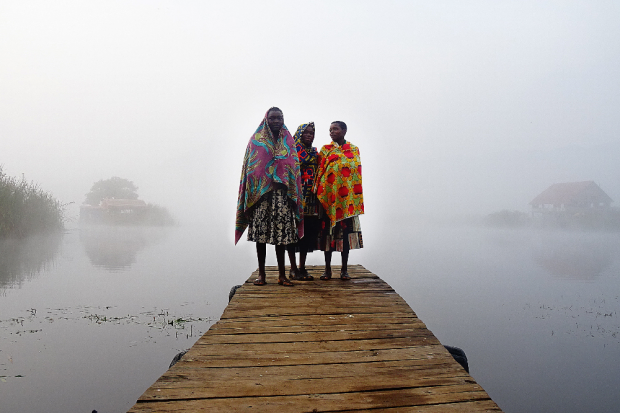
[[572, 195]]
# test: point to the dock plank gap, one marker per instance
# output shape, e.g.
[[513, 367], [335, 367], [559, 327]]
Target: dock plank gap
[[319, 346]]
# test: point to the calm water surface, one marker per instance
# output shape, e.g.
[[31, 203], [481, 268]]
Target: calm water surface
[[91, 319]]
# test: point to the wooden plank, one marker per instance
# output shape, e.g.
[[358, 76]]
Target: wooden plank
[[410, 398], [318, 346], [294, 356], [315, 323]]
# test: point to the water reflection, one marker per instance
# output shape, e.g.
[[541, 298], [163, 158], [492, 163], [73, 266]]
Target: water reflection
[[115, 248], [575, 256], [487, 291], [23, 259]]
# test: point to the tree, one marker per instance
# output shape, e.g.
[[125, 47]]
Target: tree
[[115, 187]]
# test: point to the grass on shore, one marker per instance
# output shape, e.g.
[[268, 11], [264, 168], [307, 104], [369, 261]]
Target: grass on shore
[[25, 209]]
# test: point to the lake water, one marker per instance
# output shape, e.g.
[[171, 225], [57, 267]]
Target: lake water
[[91, 319]]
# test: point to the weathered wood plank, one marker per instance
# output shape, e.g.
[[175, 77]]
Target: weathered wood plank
[[269, 356], [318, 346], [413, 367], [311, 323], [410, 398]]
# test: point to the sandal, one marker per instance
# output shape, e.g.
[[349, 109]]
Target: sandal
[[345, 276], [326, 277], [294, 275], [303, 276], [259, 281], [285, 282]]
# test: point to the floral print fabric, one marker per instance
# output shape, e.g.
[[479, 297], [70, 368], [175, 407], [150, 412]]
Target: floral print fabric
[[272, 220], [338, 181], [308, 163]]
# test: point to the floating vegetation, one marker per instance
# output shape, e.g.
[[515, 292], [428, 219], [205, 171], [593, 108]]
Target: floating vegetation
[[3, 379], [596, 317], [39, 329], [157, 319], [160, 320]]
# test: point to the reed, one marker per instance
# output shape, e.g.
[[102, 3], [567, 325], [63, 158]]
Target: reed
[[25, 209]]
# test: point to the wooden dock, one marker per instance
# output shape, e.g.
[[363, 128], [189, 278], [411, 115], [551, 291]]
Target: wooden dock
[[320, 346]]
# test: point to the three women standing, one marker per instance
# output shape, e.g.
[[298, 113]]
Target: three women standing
[[274, 196]]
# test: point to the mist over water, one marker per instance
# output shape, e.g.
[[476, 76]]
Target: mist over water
[[534, 310], [22, 259], [456, 107], [460, 109]]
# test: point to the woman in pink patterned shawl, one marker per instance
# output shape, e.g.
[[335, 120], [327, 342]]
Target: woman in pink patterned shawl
[[270, 200]]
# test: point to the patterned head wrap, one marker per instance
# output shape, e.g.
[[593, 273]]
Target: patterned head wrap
[[300, 130], [307, 155], [308, 162]]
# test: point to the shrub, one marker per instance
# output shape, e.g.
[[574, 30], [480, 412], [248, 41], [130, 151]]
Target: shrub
[[25, 209]]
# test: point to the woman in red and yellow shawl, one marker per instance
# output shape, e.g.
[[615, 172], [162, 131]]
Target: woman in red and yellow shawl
[[270, 201], [338, 186]]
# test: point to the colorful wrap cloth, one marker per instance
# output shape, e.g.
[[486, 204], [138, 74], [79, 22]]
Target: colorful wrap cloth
[[308, 163], [338, 182], [267, 161]]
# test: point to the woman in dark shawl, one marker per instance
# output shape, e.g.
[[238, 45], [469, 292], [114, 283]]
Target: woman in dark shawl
[[308, 163], [270, 201]]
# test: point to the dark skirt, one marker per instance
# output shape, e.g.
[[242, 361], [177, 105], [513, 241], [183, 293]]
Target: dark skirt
[[272, 220], [310, 240]]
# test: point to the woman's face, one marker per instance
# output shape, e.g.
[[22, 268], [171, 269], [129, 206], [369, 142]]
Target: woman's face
[[336, 132], [307, 137], [275, 120]]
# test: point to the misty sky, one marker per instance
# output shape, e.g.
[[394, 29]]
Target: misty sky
[[457, 106]]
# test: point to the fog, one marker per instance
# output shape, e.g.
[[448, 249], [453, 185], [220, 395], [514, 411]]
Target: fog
[[457, 107]]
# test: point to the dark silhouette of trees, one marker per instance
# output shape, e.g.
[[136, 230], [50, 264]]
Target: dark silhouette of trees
[[26, 209], [115, 187], [128, 210]]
